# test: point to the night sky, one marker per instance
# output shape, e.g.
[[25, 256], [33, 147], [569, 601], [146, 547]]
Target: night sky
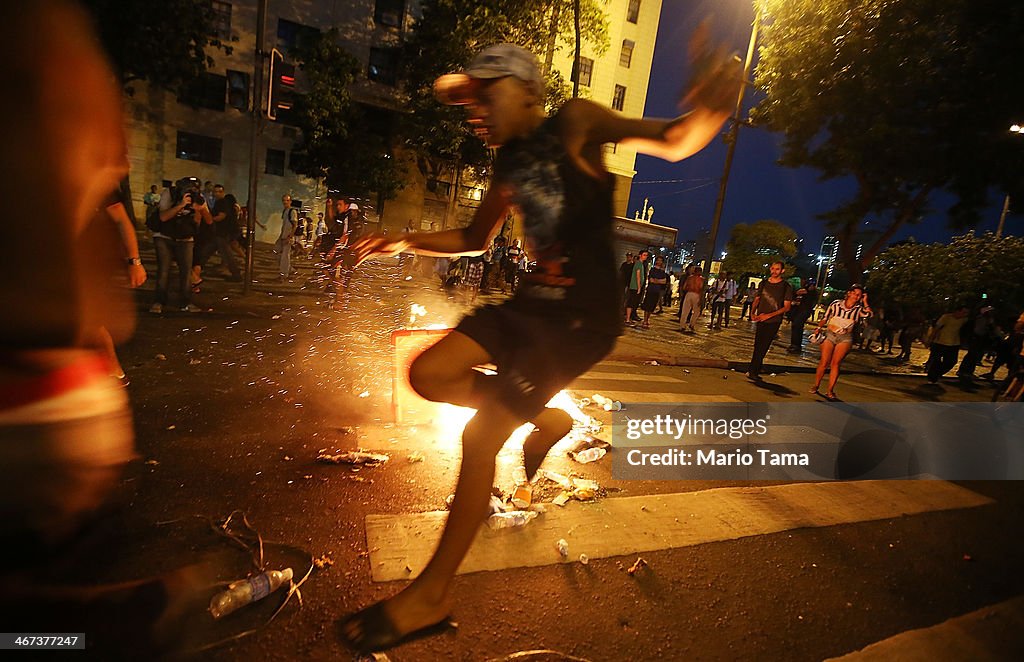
[[683, 194]]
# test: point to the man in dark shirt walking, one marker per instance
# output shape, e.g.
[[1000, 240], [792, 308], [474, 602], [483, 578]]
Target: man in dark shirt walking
[[773, 300]]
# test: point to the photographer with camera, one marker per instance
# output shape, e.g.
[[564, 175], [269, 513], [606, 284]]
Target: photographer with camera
[[182, 209]]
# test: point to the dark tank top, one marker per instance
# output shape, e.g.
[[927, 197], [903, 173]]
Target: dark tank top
[[567, 215]]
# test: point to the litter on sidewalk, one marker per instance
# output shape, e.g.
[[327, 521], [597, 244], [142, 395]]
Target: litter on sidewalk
[[353, 457]]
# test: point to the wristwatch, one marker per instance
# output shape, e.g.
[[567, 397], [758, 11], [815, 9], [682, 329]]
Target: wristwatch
[[134, 261]]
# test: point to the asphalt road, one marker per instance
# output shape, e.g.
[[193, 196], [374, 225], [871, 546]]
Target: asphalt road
[[232, 407]]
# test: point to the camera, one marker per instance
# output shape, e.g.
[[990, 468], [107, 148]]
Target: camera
[[188, 186]]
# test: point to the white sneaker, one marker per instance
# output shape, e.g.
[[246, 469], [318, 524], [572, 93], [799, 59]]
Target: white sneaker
[[156, 308]]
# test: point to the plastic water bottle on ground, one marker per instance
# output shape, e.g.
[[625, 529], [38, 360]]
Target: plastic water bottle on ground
[[248, 591], [589, 455], [511, 519]]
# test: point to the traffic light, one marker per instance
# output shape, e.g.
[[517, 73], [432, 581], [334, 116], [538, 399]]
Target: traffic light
[[281, 93]]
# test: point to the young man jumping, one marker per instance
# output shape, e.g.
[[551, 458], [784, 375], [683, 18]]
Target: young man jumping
[[566, 314]]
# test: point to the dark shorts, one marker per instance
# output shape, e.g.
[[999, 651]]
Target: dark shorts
[[651, 299], [536, 357], [633, 299]]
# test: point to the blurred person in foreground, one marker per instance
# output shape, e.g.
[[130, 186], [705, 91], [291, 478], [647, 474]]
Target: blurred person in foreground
[[65, 424], [566, 314]]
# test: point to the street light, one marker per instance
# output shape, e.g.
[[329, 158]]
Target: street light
[[733, 133], [1014, 128]]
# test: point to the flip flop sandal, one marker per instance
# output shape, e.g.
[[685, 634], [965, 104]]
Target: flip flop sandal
[[814, 391], [371, 630], [831, 397]]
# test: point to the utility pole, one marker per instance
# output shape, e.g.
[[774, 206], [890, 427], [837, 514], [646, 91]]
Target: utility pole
[[1002, 216], [254, 133], [576, 57], [730, 139]]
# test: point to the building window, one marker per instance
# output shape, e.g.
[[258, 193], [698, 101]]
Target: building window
[[221, 25], [619, 98], [292, 35], [275, 162], [586, 69], [438, 187], [389, 12], [626, 54], [195, 147], [471, 192], [207, 91], [238, 90], [382, 65], [633, 11]]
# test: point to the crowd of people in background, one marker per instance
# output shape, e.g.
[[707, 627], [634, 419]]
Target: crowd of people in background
[[191, 223], [845, 324]]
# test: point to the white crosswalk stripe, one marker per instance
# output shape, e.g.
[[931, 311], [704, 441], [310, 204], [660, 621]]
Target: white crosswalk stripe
[[400, 545]]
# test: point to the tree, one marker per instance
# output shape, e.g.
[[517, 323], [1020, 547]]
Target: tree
[[970, 270], [167, 44], [447, 37], [344, 142], [907, 97], [752, 246]]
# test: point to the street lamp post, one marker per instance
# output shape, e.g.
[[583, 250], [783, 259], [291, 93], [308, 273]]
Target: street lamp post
[[731, 137], [1019, 130]]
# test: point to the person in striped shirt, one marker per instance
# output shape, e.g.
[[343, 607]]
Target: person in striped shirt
[[838, 322]]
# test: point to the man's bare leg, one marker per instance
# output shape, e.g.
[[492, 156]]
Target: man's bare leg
[[552, 424], [445, 373]]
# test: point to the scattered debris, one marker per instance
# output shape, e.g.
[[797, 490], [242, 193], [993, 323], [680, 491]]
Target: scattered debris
[[564, 481], [496, 504], [522, 497], [323, 562], [589, 455], [515, 518], [561, 499], [247, 591], [194, 361], [584, 494], [161, 357], [584, 559], [589, 441], [152, 463], [171, 427], [416, 456], [633, 569], [651, 363], [275, 317], [686, 371], [563, 548], [448, 500], [364, 394], [353, 457]]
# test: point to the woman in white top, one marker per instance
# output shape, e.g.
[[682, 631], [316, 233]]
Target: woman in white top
[[840, 317]]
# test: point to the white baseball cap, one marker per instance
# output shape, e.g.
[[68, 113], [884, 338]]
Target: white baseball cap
[[496, 61]]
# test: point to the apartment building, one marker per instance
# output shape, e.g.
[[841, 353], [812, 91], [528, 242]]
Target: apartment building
[[207, 133]]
